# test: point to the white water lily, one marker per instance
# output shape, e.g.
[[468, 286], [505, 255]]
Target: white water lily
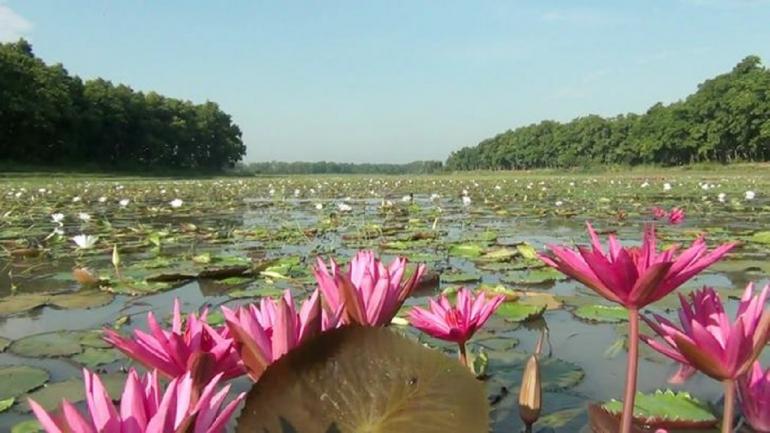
[[749, 195], [57, 218], [666, 186], [344, 207], [75, 199], [559, 203], [435, 196], [102, 199], [84, 217], [467, 200], [721, 197], [124, 202], [175, 203], [645, 184], [406, 199], [319, 206], [85, 241]]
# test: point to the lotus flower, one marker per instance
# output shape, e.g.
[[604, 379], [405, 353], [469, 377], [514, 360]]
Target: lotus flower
[[754, 394], [676, 216], [708, 341], [266, 332], [175, 352], [369, 293], [455, 323], [633, 277], [143, 409]]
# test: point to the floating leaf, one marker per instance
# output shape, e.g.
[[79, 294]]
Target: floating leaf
[[92, 357], [668, 410], [534, 276], [28, 426], [47, 345], [466, 250], [21, 303], [519, 312], [19, 379], [762, 237], [460, 277], [6, 404], [82, 299], [527, 251], [4, 342], [365, 379], [72, 389], [602, 313]]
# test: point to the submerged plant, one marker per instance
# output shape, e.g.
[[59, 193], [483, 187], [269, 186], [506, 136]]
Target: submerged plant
[[713, 344], [456, 323], [145, 407], [369, 293], [179, 350], [633, 277]]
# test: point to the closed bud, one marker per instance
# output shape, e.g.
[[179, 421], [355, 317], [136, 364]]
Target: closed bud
[[530, 394], [115, 256]]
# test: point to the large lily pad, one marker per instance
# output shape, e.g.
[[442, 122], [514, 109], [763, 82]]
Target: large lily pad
[[520, 312], [48, 345], [21, 303], [668, 409], [4, 342], [468, 251], [602, 313], [365, 379], [534, 276], [19, 379]]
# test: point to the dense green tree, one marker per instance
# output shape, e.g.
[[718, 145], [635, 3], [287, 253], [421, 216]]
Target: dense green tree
[[727, 119], [48, 116]]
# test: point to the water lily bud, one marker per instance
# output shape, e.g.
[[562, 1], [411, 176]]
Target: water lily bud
[[530, 394], [115, 256]]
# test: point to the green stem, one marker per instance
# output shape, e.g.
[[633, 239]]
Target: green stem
[[729, 411], [631, 370], [463, 355]]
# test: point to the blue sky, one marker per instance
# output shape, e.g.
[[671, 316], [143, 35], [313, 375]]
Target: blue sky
[[395, 81]]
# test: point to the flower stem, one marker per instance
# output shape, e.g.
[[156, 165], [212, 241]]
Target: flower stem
[[729, 411], [463, 355], [631, 370]]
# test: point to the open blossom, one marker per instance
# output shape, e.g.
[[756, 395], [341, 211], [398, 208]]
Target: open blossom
[[754, 394], [176, 203], [455, 323], [57, 218], [369, 293], [144, 407], [267, 331], [85, 242], [637, 276], [124, 202], [84, 217], [676, 216], [175, 352], [658, 212], [708, 340], [749, 195]]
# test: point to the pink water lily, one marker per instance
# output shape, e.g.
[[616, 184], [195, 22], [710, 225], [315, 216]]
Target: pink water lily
[[455, 323], [190, 345], [712, 343], [754, 396], [145, 407], [369, 293], [676, 216], [633, 276], [658, 212], [267, 331]]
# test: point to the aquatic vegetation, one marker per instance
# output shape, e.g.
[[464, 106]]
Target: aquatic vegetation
[[145, 407], [191, 345], [369, 293], [456, 323], [709, 342]]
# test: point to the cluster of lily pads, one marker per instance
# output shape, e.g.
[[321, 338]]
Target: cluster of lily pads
[[233, 240]]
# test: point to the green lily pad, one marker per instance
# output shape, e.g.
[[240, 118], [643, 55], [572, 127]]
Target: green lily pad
[[94, 338], [48, 345], [561, 418], [82, 299], [4, 343], [73, 390], [459, 277], [28, 426], [520, 312], [534, 276], [527, 251], [92, 357], [256, 292], [762, 237], [469, 251], [133, 287], [6, 404], [19, 379], [21, 303], [498, 255], [668, 409], [602, 313]]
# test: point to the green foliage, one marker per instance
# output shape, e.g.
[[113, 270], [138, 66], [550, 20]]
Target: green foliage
[[50, 117], [327, 167], [727, 119]]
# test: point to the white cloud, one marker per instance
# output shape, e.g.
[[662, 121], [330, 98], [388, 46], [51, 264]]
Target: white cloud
[[12, 25]]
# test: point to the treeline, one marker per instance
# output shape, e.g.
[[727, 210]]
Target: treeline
[[48, 116], [321, 167], [727, 119]]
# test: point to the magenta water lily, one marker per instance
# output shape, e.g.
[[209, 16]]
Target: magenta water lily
[[145, 407]]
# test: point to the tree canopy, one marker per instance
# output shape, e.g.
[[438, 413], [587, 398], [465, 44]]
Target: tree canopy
[[727, 119], [48, 116]]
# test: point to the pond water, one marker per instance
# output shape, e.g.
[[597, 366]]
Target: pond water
[[233, 240]]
